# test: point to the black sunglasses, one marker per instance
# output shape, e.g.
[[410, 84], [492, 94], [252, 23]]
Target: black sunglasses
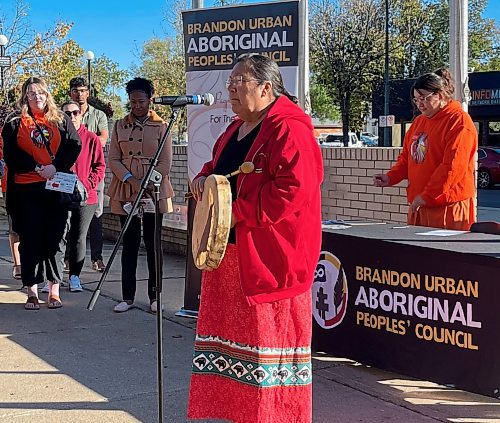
[[72, 112]]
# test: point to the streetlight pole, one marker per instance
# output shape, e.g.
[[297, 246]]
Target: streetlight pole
[[3, 42], [459, 49], [386, 75], [89, 55]]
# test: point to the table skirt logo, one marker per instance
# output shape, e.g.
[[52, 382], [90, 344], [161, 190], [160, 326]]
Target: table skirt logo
[[329, 291]]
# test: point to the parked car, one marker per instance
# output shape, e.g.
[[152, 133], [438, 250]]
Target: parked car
[[488, 167], [368, 139], [337, 140]]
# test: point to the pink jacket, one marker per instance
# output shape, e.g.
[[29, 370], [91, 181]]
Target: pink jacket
[[90, 165], [278, 234]]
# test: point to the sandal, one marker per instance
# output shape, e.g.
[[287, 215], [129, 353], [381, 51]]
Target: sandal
[[32, 303], [54, 301], [16, 271]]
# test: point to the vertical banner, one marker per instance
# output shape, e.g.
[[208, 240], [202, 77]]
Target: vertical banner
[[213, 39]]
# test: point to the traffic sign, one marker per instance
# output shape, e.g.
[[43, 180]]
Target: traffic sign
[[5, 61], [385, 121]]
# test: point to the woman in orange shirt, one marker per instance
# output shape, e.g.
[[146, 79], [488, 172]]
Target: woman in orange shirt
[[438, 157], [37, 215]]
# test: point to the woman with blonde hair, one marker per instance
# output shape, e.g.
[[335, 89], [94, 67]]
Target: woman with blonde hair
[[39, 140]]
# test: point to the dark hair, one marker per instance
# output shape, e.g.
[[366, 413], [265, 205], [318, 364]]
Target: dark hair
[[140, 84], [67, 103], [78, 82], [440, 81], [265, 69]]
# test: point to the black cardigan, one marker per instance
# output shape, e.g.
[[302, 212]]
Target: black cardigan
[[19, 161]]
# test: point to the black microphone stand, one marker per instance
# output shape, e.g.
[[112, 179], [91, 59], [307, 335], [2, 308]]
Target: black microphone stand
[[154, 177]]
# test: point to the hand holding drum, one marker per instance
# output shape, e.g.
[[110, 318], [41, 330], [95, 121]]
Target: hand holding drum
[[211, 223], [198, 184]]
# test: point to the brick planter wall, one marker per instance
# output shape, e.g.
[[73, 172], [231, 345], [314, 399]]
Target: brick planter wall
[[347, 191]]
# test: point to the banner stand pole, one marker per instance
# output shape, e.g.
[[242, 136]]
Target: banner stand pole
[[192, 285]]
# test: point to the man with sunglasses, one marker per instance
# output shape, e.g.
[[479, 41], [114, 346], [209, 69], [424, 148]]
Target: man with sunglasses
[[95, 121], [90, 168]]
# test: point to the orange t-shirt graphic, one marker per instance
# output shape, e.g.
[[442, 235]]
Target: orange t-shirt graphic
[[419, 147], [30, 140]]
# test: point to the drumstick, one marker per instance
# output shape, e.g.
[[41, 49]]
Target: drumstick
[[246, 167]]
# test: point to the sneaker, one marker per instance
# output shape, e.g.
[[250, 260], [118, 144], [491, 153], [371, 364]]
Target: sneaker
[[153, 307], [74, 284], [98, 265], [122, 307], [45, 287], [66, 266]]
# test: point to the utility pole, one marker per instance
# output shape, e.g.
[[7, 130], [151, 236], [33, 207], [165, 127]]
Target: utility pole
[[387, 142], [459, 49]]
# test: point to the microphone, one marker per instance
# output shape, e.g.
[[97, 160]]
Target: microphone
[[206, 99]]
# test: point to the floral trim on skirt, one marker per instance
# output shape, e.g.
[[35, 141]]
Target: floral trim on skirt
[[251, 364]]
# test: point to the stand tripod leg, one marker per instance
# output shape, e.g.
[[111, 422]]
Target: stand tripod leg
[[159, 305]]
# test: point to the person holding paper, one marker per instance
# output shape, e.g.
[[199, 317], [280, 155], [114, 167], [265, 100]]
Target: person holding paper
[[134, 142], [438, 157], [37, 127]]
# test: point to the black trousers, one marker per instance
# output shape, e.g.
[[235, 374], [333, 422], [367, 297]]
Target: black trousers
[[40, 222], [96, 241], [76, 247], [130, 253]]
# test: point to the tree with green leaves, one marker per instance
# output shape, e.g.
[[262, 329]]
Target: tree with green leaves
[[27, 48], [162, 61], [322, 105], [346, 44], [52, 56], [429, 50]]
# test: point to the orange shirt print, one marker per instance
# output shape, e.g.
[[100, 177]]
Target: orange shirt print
[[419, 147]]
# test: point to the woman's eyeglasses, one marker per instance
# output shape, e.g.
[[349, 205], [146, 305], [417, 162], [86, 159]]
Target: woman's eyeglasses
[[72, 112], [32, 95], [425, 99], [238, 80]]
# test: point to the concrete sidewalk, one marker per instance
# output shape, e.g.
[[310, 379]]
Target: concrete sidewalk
[[75, 365]]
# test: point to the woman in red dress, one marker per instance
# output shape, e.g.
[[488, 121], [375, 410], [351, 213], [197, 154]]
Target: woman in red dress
[[252, 359]]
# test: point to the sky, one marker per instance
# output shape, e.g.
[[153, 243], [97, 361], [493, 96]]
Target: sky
[[117, 28]]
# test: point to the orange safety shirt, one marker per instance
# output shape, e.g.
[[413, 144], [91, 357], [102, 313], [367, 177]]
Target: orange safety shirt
[[31, 141], [438, 157]]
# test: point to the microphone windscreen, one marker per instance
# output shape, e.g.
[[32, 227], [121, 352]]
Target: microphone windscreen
[[208, 99]]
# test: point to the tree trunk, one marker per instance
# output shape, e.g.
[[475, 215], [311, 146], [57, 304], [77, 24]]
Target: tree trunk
[[346, 117]]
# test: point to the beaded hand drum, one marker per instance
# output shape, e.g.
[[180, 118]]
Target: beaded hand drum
[[211, 223]]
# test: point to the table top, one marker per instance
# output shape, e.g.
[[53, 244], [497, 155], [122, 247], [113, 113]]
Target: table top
[[469, 242]]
